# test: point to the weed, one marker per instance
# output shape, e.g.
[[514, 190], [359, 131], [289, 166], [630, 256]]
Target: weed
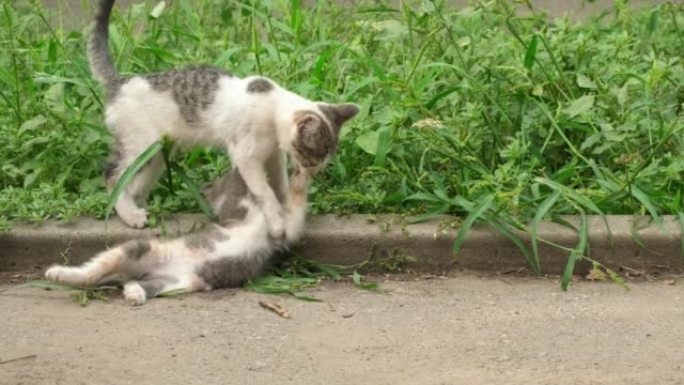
[[80, 295]]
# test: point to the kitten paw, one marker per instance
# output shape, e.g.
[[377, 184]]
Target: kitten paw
[[276, 227], [134, 293], [65, 274], [135, 218]]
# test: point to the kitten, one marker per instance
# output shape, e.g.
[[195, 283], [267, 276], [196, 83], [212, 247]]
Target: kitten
[[253, 118], [224, 255]]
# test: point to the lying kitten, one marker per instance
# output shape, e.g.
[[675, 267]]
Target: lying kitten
[[224, 255], [253, 118]]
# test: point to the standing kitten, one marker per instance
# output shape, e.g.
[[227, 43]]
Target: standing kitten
[[225, 255], [253, 118]]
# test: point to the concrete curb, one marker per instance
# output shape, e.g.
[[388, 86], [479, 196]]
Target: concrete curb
[[352, 239]]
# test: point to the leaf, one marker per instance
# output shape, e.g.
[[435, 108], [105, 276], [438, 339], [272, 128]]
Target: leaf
[[475, 214], [173, 292], [429, 105], [538, 216], [596, 274], [356, 278], [158, 10], [329, 271], [368, 141], [591, 141], [32, 123], [580, 105], [383, 146], [531, 53], [517, 241], [376, 68], [616, 278], [130, 172], [646, 201], [584, 82], [571, 194], [45, 284], [577, 253], [304, 296]]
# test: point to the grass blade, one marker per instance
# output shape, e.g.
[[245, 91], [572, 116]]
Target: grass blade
[[680, 217], [130, 172], [505, 231], [475, 214], [576, 254], [538, 216], [45, 284], [531, 53], [641, 196], [356, 278]]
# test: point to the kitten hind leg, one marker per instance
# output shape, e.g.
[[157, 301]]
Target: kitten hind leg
[[89, 274], [137, 292], [101, 267], [127, 204]]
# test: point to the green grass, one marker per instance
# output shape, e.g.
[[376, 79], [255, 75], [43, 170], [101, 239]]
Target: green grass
[[477, 112]]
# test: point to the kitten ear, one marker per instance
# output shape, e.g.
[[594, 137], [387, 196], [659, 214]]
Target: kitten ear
[[345, 111], [338, 114]]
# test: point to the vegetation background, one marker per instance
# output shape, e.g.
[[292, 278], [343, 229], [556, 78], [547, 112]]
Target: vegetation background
[[493, 112]]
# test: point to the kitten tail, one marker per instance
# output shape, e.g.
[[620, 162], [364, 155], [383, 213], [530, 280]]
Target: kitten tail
[[101, 64]]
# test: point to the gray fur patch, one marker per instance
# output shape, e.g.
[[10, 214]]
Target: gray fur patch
[[259, 85], [205, 239], [193, 88], [233, 271], [136, 248], [225, 195], [114, 85], [155, 284]]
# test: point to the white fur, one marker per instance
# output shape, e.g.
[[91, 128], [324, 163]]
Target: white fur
[[173, 258], [253, 127]]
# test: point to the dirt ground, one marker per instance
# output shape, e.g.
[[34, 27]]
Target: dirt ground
[[459, 330]]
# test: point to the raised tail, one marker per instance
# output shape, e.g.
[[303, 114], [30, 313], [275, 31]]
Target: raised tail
[[101, 64]]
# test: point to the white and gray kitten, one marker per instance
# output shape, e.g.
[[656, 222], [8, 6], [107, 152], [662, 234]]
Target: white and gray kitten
[[226, 254], [253, 118]]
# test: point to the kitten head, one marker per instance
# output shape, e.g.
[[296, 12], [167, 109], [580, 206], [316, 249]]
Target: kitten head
[[317, 132]]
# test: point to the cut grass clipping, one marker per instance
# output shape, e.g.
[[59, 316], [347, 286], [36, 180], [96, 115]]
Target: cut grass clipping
[[295, 276], [494, 115]]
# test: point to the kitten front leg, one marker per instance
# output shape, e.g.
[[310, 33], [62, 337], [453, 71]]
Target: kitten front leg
[[255, 178], [276, 170], [295, 206], [137, 190]]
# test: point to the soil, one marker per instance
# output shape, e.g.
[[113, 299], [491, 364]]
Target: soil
[[465, 329]]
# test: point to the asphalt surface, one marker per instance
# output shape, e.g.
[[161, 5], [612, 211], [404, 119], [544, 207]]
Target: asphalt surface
[[465, 329]]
